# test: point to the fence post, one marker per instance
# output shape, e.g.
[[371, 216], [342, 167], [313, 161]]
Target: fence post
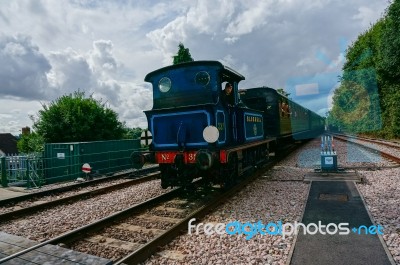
[[4, 180], [28, 179]]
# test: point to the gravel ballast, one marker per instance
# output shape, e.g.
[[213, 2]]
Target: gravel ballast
[[279, 195]]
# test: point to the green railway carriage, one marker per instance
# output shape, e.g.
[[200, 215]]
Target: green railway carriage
[[283, 117]]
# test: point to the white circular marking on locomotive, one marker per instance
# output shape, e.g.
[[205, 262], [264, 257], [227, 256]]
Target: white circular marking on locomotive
[[210, 134], [146, 137]]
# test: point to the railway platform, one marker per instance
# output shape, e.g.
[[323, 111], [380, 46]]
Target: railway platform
[[338, 203], [11, 192], [48, 254]]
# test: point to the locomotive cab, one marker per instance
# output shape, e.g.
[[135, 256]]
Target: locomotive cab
[[187, 99]]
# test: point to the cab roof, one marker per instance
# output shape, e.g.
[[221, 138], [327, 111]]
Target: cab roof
[[227, 72]]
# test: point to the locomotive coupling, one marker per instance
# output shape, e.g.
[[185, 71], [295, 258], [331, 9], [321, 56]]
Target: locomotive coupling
[[204, 159]]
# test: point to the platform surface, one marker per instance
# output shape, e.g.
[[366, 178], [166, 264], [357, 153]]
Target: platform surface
[[338, 202], [6, 193], [48, 254], [332, 176]]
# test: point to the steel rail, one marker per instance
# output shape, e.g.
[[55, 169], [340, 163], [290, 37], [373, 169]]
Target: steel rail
[[371, 140], [145, 251], [76, 233], [373, 150], [37, 207], [73, 186], [149, 248]]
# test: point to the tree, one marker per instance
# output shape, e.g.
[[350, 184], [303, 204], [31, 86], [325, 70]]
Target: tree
[[183, 55], [133, 133], [390, 42], [354, 108], [30, 143], [74, 118], [373, 63]]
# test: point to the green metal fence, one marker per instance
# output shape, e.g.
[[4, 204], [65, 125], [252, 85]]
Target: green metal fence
[[63, 162]]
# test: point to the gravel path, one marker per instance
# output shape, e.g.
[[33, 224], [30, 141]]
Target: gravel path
[[382, 196]]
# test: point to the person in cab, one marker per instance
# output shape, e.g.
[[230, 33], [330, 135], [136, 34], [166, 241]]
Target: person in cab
[[227, 96]]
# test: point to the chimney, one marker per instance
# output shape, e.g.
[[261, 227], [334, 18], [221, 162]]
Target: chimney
[[26, 130]]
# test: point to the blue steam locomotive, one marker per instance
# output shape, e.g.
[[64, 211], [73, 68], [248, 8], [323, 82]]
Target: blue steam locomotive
[[197, 134]]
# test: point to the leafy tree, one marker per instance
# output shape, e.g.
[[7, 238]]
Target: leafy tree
[[74, 118], [354, 108], [390, 42], [133, 133], [183, 55], [30, 143], [366, 101]]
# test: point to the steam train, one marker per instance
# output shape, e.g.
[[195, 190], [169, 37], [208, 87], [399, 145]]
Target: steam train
[[195, 134]]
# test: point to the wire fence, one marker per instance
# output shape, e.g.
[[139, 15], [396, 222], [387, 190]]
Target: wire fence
[[35, 170]]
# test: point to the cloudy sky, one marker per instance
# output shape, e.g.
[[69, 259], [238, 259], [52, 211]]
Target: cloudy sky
[[50, 48]]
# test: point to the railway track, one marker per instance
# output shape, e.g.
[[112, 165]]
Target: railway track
[[74, 186], [37, 206], [150, 224], [136, 233], [375, 150], [391, 144]]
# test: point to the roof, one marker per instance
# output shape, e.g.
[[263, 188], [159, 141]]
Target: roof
[[8, 143], [225, 69]]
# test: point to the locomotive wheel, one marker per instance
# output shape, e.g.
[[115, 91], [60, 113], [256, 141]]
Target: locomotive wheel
[[264, 156], [167, 176]]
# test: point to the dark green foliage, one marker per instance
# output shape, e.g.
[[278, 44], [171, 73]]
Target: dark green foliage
[[133, 133], [30, 143], [356, 107], [367, 100], [183, 55], [391, 43], [74, 118]]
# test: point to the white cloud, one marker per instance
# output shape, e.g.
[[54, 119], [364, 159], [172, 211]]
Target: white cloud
[[22, 68], [367, 16], [254, 15], [71, 72], [231, 40], [14, 114], [49, 48], [101, 57]]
